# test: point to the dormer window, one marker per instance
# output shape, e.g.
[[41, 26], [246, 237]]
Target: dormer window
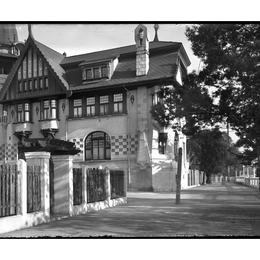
[[95, 73]]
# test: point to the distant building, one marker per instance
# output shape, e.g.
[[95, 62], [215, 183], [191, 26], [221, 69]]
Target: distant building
[[101, 101]]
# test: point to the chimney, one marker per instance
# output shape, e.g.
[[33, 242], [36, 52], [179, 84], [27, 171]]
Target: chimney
[[142, 50]]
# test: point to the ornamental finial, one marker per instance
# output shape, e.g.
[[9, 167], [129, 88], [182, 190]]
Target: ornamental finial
[[156, 28]]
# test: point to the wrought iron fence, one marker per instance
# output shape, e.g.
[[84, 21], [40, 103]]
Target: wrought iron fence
[[96, 185], [117, 184], [9, 188], [77, 186], [33, 188]]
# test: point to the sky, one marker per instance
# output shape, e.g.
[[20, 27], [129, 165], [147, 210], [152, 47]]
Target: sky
[[75, 39]]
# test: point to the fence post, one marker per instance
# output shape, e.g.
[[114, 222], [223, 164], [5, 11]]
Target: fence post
[[63, 184], [22, 187]]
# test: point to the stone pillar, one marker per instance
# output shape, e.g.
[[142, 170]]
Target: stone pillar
[[22, 169], [63, 184], [42, 159]]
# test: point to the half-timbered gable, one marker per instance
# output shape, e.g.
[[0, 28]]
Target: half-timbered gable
[[36, 74]]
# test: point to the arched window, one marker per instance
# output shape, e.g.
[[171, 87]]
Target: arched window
[[97, 146]]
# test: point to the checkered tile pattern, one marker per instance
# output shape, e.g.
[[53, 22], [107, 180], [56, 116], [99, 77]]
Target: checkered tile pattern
[[2, 152], [79, 145], [119, 145], [9, 152]]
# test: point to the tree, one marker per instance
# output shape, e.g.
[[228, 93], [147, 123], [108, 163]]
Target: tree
[[231, 57], [190, 101], [208, 149]]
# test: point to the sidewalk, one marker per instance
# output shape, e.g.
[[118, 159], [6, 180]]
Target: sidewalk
[[216, 210]]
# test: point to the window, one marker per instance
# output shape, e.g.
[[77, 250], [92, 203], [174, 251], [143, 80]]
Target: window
[[20, 113], [40, 66], [19, 86], [162, 142], [29, 57], [23, 112], [19, 73], [104, 72], [25, 86], [35, 84], [91, 106], [97, 146], [46, 82], [40, 85], [118, 103], [30, 85], [26, 112], [156, 99], [95, 73], [49, 109], [104, 101], [77, 107], [89, 74]]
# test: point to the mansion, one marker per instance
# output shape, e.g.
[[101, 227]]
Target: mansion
[[99, 101]]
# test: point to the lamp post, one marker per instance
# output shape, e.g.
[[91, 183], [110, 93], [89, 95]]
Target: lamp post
[[178, 184]]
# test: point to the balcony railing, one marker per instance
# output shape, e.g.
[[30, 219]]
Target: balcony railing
[[51, 124], [23, 127]]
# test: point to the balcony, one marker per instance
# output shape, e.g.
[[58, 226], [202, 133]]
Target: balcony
[[22, 129], [49, 127]]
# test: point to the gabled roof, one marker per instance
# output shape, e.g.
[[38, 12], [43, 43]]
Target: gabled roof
[[53, 58], [161, 67], [163, 62], [131, 49]]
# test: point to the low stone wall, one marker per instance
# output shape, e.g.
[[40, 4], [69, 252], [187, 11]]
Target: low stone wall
[[249, 181], [95, 206], [24, 219], [63, 187]]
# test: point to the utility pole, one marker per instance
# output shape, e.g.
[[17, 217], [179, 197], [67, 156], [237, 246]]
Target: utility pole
[[178, 182], [228, 168]]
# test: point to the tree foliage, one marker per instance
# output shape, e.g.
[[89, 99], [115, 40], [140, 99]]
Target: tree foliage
[[231, 57], [209, 150], [190, 101]]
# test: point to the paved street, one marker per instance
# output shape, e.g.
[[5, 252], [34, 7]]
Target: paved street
[[216, 210]]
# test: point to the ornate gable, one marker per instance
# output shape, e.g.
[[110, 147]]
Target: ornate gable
[[36, 73]]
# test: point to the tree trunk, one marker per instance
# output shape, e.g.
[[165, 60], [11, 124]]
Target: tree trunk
[[208, 175], [203, 180]]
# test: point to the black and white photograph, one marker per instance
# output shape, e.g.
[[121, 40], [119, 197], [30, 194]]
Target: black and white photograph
[[130, 130]]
